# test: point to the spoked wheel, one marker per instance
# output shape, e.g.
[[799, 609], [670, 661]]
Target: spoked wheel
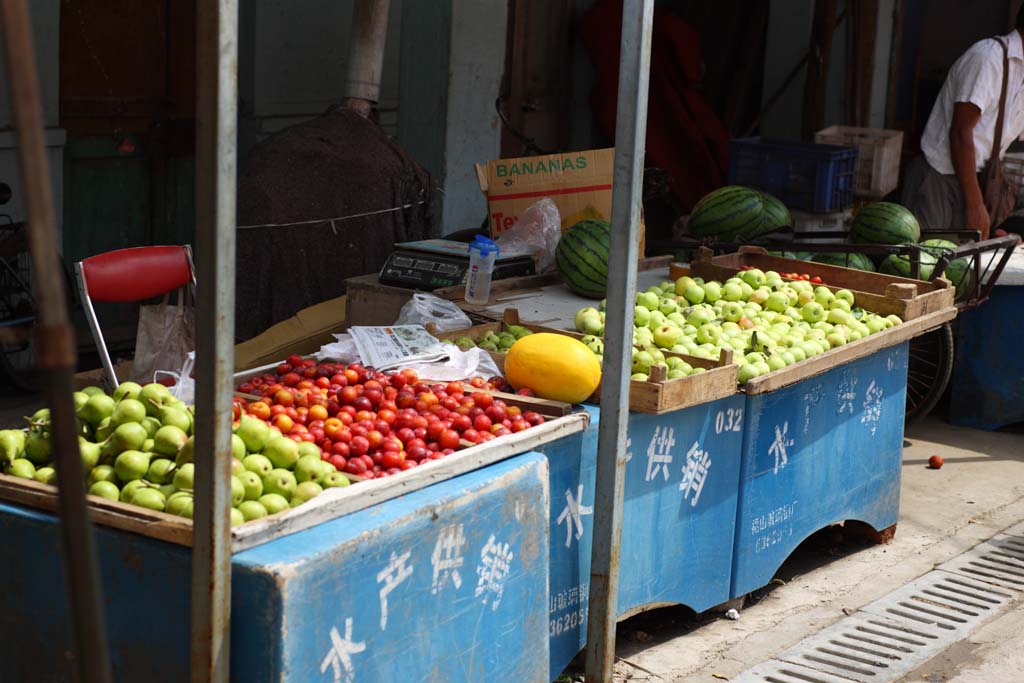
[[930, 367]]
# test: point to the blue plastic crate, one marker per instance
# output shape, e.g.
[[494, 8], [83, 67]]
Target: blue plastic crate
[[802, 175]]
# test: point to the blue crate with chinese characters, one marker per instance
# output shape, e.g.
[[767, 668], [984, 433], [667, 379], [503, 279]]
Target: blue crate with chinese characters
[[447, 583], [823, 450], [682, 483]]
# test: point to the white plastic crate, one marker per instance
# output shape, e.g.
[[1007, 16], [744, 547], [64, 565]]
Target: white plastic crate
[[878, 156], [806, 224]]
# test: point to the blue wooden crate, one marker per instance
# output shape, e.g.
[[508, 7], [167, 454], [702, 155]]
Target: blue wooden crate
[[823, 450], [448, 583], [676, 539]]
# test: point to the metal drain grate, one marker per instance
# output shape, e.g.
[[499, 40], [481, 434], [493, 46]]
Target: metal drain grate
[[998, 561], [898, 633], [785, 672]]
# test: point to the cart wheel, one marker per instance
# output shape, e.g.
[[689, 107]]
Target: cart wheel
[[930, 367]]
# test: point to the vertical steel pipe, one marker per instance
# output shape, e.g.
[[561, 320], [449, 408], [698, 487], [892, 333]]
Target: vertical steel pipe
[[630, 135], [366, 54], [55, 349], [216, 147]]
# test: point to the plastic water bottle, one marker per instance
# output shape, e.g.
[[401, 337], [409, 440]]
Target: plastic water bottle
[[482, 253]]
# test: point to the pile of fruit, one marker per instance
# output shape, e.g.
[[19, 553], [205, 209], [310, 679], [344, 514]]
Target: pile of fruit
[[137, 447], [769, 323], [493, 341], [370, 424], [314, 426]]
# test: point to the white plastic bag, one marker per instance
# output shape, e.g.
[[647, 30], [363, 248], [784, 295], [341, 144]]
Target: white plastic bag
[[460, 365], [536, 233], [425, 308], [184, 387]]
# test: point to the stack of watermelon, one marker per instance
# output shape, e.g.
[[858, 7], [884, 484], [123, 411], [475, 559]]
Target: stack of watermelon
[[582, 257], [737, 214]]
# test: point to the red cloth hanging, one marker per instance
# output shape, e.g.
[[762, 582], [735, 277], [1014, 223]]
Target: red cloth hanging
[[684, 136]]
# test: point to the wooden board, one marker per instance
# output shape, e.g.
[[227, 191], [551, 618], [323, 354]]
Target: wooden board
[[330, 504], [876, 292], [849, 352], [159, 525]]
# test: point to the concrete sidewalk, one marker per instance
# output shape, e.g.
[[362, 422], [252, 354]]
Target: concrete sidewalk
[[978, 493]]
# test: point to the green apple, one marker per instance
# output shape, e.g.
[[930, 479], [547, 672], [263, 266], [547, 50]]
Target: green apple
[[776, 362], [334, 480], [307, 468], [754, 277], [307, 490], [812, 312], [835, 339], [682, 284], [700, 316], [591, 325], [732, 292], [180, 504], [643, 336], [666, 336], [747, 290], [105, 489], [677, 319], [129, 490], [280, 481], [657, 320], [797, 352], [282, 452], [642, 362], [694, 294], [584, 313], [237, 491], [258, 463], [254, 433], [128, 410], [748, 372], [839, 305], [252, 484], [154, 396], [845, 295], [149, 498], [777, 301], [45, 475], [639, 377], [894, 319], [732, 311], [641, 316], [668, 306], [648, 300], [709, 334], [98, 407], [875, 325], [712, 292], [252, 509], [837, 316], [184, 476], [169, 440], [273, 503], [160, 471], [760, 295], [131, 465]]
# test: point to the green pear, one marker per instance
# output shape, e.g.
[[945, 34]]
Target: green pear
[[154, 396], [305, 491], [254, 433], [90, 454], [169, 440], [12, 445], [237, 491], [308, 469], [151, 424], [252, 483], [105, 489], [103, 430], [180, 504], [22, 468], [274, 502], [80, 398], [38, 448], [237, 447], [237, 518], [252, 509], [279, 481], [187, 452], [184, 477], [149, 498], [92, 391], [98, 407], [175, 417], [127, 390], [160, 471], [129, 490], [46, 475], [127, 437], [282, 452], [101, 473], [131, 465]]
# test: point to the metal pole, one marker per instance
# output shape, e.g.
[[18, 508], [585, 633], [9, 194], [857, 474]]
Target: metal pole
[[366, 54], [630, 134], [55, 349], [216, 143]]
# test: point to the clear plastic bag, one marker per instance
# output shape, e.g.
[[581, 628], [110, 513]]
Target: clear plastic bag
[[184, 387], [536, 233], [426, 308]]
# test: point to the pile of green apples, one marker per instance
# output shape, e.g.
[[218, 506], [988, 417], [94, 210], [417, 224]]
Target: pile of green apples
[[493, 341], [768, 322], [137, 447]]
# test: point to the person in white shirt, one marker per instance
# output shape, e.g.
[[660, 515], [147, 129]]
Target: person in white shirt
[[941, 186]]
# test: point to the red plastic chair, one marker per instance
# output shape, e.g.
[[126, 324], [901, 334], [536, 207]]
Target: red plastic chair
[[130, 275]]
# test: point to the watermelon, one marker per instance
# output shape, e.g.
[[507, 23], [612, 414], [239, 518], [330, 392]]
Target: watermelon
[[899, 265], [582, 257], [857, 261], [957, 271], [727, 213], [885, 223], [776, 214]]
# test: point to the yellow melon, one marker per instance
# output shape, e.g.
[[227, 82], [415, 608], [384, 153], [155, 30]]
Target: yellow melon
[[554, 366]]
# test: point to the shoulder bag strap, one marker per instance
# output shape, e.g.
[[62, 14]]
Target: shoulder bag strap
[[997, 143]]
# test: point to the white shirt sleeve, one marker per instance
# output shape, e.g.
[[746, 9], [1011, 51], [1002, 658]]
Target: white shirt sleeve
[[978, 79]]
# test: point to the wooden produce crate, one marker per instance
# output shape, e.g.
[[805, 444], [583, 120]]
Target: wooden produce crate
[[659, 395], [876, 292], [332, 503], [878, 156]]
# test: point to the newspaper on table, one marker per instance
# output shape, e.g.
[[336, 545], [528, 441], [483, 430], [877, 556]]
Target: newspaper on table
[[388, 347]]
